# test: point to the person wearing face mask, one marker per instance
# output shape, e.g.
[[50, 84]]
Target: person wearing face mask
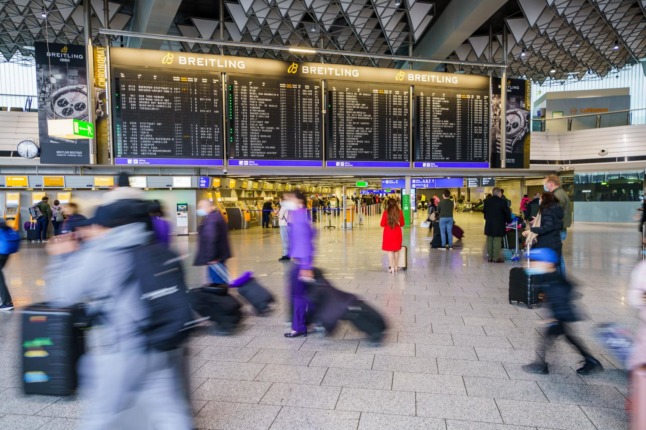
[[213, 241], [548, 232], [283, 214], [543, 268], [301, 250], [552, 184]]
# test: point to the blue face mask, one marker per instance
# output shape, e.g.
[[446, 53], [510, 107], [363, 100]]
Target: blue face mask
[[547, 190], [535, 271]]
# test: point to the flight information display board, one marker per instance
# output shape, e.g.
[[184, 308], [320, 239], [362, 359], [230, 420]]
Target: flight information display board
[[167, 118], [451, 128], [274, 122], [368, 125]]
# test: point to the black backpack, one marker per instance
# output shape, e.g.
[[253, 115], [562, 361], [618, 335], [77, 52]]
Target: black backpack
[[164, 297]]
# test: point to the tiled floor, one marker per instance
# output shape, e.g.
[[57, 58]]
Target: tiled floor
[[452, 359]]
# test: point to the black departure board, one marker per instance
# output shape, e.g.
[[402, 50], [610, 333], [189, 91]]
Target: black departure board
[[167, 118], [451, 125], [273, 119], [368, 122]]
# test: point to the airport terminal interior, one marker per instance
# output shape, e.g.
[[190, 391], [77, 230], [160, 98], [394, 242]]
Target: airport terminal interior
[[336, 124]]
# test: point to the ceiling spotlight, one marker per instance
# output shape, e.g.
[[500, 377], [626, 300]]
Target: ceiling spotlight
[[43, 13], [302, 50], [523, 54], [398, 3], [616, 46], [552, 71]]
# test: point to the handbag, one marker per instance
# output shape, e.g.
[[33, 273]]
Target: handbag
[[433, 216], [533, 237]]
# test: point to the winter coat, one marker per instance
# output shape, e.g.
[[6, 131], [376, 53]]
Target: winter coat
[[301, 238], [45, 209], [213, 240], [635, 296], [564, 202], [496, 214], [123, 193], [558, 291], [549, 232], [99, 274], [162, 230]]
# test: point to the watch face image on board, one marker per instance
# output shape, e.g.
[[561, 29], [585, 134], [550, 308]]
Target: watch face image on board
[[28, 149], [69, 102]]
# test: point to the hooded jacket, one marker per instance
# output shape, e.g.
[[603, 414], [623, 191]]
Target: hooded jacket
[[549, 232], [99, 274]]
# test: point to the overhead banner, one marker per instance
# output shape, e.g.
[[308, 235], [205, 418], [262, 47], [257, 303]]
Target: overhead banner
[[62, 95], [517, 123], [101, 112]]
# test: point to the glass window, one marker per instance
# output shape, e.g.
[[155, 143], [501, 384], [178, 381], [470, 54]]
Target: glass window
[[609, 186]]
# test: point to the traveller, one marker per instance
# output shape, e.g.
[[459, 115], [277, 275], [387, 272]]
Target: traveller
[[301, 251], [523, 203], [636, 297], [544, 269], [6, 302], [161, 226], [213, 243], [445, 209], [42, 222], [119, 369], [392, 222], [502, 195], [532, 207], [433, 219], [72, 218], [267, 209], [123, 191], [552, 184], [548, 231], [283, 214], [57, 217], [496, 215]]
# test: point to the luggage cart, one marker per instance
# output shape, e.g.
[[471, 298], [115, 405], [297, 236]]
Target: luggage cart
[[515, 256]]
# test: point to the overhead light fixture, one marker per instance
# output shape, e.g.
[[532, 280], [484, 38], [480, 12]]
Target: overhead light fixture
[[302, 50], [523, 54], [552, 71], [616, 47], [43, 13], [398, 3]]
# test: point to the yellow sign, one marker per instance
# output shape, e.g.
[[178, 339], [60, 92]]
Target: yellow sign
[[215, 183], [293, 68], [103, 181], [16, 181], [13, 199], [400, 76], [232, 183], [168, 58], [53, 182]]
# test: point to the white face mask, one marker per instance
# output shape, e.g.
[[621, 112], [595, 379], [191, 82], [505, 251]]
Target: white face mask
[[547, 190], [201, 212], [290, 205]]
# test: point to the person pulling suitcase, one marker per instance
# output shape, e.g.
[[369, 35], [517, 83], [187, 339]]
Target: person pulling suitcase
[[543, 267]]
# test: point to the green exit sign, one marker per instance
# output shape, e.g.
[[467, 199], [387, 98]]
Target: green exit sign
[[362, 184], [83, 129]]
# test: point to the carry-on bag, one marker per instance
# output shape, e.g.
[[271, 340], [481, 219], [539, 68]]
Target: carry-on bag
[[329, 305], [457, 232], [366, 318], [617, 340], [222, 309], [403, 258], [521, 287], [52, 343], [638, 399], [257, 295], [32, 233]]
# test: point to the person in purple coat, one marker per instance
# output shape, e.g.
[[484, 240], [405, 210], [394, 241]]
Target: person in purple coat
[[213, 240], [161, 227], [301, 250]]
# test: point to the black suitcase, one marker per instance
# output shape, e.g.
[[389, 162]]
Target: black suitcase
[[32, 235], [367, 319], [52, 343], [329, 305], [257, 295], [224, 310], [521, 287], [437, 238]]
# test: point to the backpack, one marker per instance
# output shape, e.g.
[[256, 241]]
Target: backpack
[[164, 297], [35, 211], [9, 241]]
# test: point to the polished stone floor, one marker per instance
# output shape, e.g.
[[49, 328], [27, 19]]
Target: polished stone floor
[[451, 360]]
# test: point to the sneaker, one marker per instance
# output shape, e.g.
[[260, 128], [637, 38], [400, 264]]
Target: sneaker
[[284, 258], [536, 368], [447, 247], [591, 365], [6, 307]]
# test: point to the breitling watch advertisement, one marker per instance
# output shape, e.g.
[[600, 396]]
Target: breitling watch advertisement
[[517, 123], [62, 94]]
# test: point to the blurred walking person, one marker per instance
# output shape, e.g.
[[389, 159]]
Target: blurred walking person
[[213, 243], [392, 222], [72, 217], [496, 214], [301, 251], [121, 367], [283, 213], [9, 244], [161, 226]]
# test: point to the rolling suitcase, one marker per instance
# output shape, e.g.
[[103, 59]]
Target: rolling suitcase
[[257, 295], [366, 318], [214, 303], [403, 258], [521, 287], [32, 233], [52, 343], [458, 232]]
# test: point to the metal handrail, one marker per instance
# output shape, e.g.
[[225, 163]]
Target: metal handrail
[[543, 122]]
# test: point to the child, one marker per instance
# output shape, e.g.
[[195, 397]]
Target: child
[[543, 267]]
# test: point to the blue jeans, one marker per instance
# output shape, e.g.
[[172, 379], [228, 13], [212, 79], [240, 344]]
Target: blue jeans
[[446, 231], [284, 239], [42, 224], [562, 264]]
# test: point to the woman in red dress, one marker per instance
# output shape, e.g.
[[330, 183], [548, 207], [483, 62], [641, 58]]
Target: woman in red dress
[[392, 222]]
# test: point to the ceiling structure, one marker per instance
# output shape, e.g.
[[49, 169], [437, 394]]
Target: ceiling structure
[[559, 39]]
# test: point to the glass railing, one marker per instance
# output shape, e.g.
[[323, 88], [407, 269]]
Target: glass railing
[[15, 102], [590, 120]]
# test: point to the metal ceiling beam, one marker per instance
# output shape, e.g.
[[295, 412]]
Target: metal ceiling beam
[[612, 28], [283, 48], [152, 16], [457, 23]]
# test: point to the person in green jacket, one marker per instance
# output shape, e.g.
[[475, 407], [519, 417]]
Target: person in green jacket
[[42, 222], [552, 183]]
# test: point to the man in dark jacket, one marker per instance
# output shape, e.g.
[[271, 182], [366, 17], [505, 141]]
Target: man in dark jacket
[[42, 223], [213, 242], [543, 269], [532, 207], [497, 214]]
